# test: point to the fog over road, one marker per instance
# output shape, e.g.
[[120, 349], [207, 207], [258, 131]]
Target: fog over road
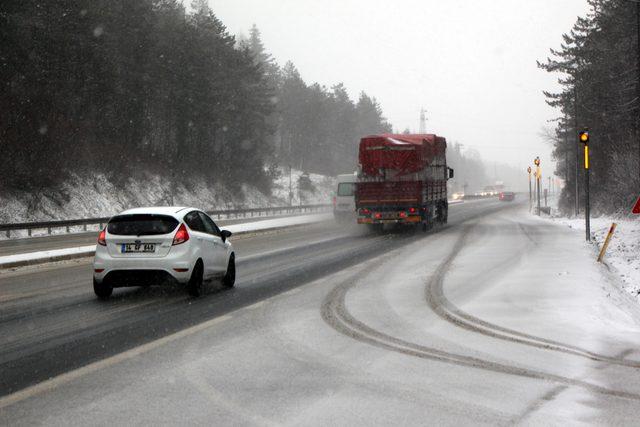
[[497, 318]]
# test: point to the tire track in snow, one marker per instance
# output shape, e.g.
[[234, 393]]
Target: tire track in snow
[[336, 315], [445, 309]]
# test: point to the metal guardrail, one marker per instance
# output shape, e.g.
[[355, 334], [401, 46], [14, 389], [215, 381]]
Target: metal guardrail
[[217, 214]]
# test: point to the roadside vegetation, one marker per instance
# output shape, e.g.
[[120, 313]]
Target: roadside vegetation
[[597, 63], [124, 89]]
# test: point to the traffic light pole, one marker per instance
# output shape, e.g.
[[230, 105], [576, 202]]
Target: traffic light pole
[[538, 174], [587, 209], [583, 137], [538, 181], [530, 195]]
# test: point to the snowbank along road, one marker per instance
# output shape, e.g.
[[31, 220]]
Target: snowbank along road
[[497, 318]]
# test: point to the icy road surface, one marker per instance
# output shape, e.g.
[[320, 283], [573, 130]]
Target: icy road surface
[[498, 318]]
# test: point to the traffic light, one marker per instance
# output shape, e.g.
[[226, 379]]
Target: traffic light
[[584, 136], [537, 161]]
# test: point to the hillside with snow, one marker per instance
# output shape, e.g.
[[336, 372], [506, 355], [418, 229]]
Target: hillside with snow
[[96, 196]]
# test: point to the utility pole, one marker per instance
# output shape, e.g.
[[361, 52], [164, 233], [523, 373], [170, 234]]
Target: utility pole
[[549, 186], [423, 121], [583, 137], [538, 175], [530, 195]]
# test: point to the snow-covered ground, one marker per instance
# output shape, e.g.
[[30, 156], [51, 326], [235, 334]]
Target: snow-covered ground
[[623, 253], [96, 196], [324, 187]]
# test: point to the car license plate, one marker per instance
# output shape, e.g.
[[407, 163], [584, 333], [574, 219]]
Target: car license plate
[[137, 247]]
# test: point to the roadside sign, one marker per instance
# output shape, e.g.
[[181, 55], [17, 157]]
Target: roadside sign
[[636, 207]]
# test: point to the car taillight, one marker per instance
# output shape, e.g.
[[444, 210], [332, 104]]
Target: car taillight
[[102, 238], [402, 214], [377, 215], [182, 235], [412, 210], [365, 211]]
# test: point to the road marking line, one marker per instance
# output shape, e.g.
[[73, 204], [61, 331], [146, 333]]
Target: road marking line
[[67, 377], [256, 305]]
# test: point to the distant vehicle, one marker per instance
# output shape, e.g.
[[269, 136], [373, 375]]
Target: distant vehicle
[[457, 196], [148, 246], [402, 180], [507, 196], [344, 206], [489, 190]]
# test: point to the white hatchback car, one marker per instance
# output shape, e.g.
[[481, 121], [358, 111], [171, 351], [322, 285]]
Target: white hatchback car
[[147, 246]]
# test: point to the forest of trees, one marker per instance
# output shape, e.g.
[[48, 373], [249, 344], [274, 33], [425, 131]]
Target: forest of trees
[[598, 66], [126, 87]]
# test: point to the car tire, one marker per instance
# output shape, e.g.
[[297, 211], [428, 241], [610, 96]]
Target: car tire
[[195, 286], [229, 278], [102, 290]]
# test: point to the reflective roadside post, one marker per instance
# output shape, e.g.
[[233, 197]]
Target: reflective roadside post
[[530, 195], [583, 136], [538, 175]]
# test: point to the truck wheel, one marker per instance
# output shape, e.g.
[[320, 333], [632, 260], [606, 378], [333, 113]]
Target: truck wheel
[[443, 213]]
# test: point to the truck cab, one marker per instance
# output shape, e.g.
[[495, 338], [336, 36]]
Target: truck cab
[[344, 205]]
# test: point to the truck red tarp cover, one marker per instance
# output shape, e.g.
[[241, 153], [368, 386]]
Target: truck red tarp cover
[[405, 153]]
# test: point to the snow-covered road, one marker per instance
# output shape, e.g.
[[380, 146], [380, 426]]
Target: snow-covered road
[[498, 318]]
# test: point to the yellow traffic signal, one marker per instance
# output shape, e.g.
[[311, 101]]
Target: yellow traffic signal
[[586, 155], [584, 136]]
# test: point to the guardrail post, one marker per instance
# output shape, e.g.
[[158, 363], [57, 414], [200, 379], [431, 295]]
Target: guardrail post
[[67, 228], [101, 226], [48, 230], [8, 233], [29, 232], [85, 227]]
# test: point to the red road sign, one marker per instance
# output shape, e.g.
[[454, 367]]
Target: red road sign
[[636, 207]]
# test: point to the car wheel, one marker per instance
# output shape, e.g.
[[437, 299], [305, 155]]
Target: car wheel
[[102, 290], [230, 276], [195, 286]]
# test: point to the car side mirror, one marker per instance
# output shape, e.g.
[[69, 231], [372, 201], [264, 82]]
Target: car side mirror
[[450, 173], [225, 234]]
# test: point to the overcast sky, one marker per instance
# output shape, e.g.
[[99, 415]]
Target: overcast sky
[[470, 63]]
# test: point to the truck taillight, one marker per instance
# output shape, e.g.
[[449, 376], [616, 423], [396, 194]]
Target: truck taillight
[[402, 214], [413, 210], [365, 211], [377, 215]]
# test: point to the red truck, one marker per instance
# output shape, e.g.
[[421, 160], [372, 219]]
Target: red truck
[[402, 179]]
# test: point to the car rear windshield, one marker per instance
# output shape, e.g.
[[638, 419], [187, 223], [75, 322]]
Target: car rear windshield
[[141, 225], [345, 189]]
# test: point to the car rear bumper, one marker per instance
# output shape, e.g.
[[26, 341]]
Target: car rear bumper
[[124, 278], [144, 270]]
